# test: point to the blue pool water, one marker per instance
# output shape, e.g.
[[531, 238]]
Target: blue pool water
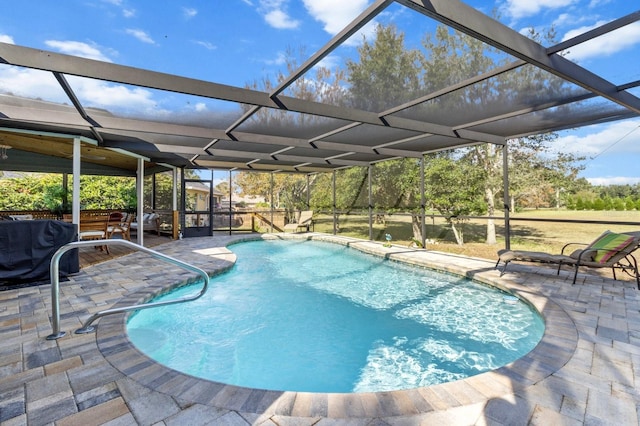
[[320, 317]]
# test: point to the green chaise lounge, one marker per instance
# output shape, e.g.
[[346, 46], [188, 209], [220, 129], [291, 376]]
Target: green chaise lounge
[[609, 250]]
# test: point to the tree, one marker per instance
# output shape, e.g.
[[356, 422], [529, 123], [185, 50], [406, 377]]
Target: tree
[[385, 76], [455, 190], [31, 191], [38, 191], [385, 73], [325, 85], [453, 57], [289, 190], [107, 192]]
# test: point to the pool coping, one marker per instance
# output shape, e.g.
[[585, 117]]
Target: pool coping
[[554, 350]]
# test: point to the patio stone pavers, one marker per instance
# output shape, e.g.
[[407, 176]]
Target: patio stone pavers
[[584, 371]]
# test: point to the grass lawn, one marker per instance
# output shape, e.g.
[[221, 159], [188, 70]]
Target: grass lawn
[[526, 235]]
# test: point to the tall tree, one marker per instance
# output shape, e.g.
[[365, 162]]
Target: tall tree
[[385, 75], [453, 57], [321, 85], [454, 188]]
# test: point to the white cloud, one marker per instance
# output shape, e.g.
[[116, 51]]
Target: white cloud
[[206, 44], [77, 48], [276, 15], [605, 45], [6, 39], [565, 20], [611, 150], [140, 35], [201, 106], [279, 60], [30, 83], [596, 3], [126, 12], [522, 8], [613, 180], [330, 62], [189, 12], [100, 94], [280, 20], [335, 15], [36, 84], [618, 137]]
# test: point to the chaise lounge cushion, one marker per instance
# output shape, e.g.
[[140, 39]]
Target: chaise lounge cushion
[[608, 245]]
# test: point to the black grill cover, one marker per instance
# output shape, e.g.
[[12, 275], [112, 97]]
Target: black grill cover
[[27, 246]]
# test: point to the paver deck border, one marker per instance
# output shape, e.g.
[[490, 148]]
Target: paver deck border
[[556, 347]]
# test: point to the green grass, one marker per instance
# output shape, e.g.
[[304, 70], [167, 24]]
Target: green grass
[[526, 235]]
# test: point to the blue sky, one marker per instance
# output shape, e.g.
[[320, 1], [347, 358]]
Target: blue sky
[[237, 42]]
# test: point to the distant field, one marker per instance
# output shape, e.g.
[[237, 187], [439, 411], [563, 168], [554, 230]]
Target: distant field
[[527, 235]]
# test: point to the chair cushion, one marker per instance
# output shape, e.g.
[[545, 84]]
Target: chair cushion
[[91, 235], [588, 255], [608, 245]]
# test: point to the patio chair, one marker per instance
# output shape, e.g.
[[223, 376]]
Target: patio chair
[[121, 227], [609, 250], [94, 228], [304, 221]]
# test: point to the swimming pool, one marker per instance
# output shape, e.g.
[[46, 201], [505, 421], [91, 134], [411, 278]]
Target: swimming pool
[[397, 328]]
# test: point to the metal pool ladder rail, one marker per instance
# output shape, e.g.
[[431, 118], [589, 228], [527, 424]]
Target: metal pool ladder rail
[[87, 327]]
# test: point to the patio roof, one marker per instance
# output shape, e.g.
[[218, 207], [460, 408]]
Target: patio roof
[[312, 136]]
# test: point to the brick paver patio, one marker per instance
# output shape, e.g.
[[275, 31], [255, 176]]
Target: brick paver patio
[[582, 372]]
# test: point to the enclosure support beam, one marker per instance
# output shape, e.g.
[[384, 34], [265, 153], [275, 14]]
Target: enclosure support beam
[[370, 170], [505, 179], [75, 201], [153, 192], [230, 200], [423, 201], [335, 224], [140, 201], [271, 203], [175, 229], [308, 193]]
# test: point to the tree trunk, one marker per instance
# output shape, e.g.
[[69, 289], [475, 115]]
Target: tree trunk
[[416, 225], [457, 234], [491, 209]]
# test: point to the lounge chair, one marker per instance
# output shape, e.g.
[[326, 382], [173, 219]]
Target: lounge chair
[[304, 221], [609, 250]]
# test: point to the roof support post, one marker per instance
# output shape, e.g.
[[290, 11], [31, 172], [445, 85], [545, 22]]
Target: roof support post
[[308, 193], [335, 223], [505, 180], [230, 200], [140, 201], [175, 231], [423, 202], [75, 203], [271, 202], [369, 171]]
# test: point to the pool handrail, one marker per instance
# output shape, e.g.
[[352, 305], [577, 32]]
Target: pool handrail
[[87, 328]]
